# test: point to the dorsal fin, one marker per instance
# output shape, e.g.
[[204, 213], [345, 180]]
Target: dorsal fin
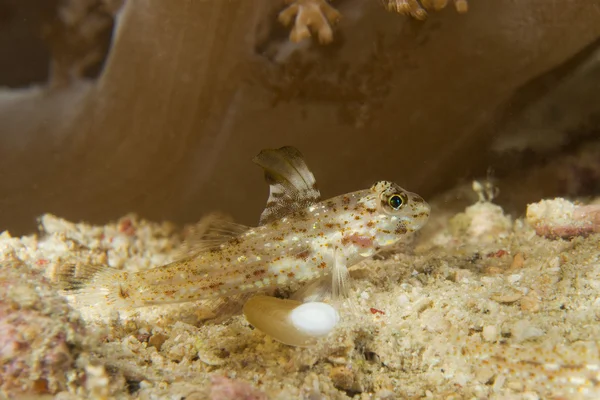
[[292, 185], [212, 231]]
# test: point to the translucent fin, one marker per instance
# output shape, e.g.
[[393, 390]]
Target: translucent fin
[[292, 185], [92, 284], [317, 290], [74, 277], [340, 287], [212, 231], [335, 286]]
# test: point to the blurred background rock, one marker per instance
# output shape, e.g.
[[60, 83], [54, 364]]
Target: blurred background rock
[[158, 107]]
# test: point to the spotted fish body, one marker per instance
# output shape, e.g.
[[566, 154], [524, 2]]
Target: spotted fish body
[[299, 240]]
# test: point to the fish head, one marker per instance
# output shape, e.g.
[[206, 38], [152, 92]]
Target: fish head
[[395, 212]]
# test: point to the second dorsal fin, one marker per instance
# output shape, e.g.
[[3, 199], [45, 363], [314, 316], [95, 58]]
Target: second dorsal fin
[[292, 185], [212, 231]]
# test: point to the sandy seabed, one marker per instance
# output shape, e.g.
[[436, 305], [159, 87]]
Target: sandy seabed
[[481, 306]]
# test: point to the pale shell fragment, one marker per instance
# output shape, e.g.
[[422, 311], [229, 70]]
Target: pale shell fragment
[[291, 322], [509, 297], [315, 319]]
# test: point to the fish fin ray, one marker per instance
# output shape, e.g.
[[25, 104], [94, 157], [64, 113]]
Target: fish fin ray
[[340, 287], [212, 231], [317, 290], [73, 277], [292, 184], [90, 284]]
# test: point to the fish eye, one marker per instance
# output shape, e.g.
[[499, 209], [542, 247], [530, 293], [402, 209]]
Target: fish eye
[[396, 201]]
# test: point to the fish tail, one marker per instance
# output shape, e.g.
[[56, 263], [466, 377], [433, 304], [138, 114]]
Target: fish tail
[[94, 284]]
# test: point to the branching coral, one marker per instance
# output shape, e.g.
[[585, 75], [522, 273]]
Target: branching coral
[[315, 15], [418, 8], [318, 16]]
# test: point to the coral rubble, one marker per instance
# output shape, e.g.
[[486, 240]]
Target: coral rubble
[[484, 307], [560, 218], [40, 335]]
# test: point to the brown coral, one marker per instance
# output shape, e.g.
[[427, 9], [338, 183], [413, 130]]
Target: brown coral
[[418, 8], [315, 15]]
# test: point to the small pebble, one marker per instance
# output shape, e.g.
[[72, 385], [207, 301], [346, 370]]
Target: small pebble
[[524, 330], [512, 279], [530, 302], [517, 262], [493, 270], [403, 300], [490, 333], [342, 377], [506, 297], [157, 340]]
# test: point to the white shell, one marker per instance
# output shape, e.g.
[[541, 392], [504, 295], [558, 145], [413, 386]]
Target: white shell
[[289, 321], [315, 319]]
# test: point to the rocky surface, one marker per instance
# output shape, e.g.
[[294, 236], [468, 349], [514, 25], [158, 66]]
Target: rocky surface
[[482, 306]]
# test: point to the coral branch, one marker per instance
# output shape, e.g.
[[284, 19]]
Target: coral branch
[[418, 8], [310, 15]]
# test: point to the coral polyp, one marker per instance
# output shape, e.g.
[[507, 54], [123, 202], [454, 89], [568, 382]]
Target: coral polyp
[[310, 15], [418, 8], [318, 16]]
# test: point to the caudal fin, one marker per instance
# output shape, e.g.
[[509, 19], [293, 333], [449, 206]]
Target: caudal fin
[[73, 277], [91, 284]]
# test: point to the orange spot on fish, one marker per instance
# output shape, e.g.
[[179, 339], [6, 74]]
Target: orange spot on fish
[[360, 241], [303, 255], [123, 293]]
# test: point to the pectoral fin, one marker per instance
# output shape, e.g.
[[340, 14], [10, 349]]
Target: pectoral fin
[[317, 290], [292, 185], [340, 277]]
